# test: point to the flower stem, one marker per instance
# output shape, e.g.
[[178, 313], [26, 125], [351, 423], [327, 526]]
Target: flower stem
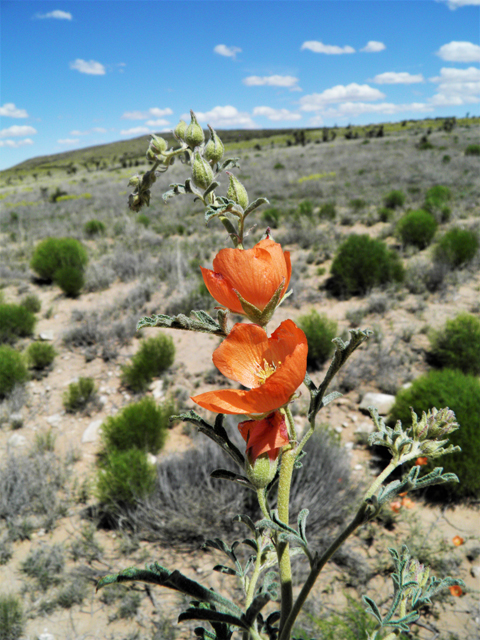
[[283, 551], [255, 575], [262, 501], [376, 484]]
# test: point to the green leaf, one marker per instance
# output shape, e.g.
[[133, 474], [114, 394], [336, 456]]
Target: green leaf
[[254, 205], [224, 474], [372, 608], [257, 605], [221, 568], [212, 616], [230, 163], [302, 524], [202, 323]]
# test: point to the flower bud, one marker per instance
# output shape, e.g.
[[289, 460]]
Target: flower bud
[[151, 155], [236, 191], [202, 173], [134, 181], [194, 133], [180, 129], [261, 471], [157, 144], [214, 149]]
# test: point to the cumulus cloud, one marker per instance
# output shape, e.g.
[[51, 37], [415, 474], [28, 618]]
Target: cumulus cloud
[[402, 77], [17, 130], [56, 15], [90, 67], [68, 141], [457, 87], [75, 132], [229, 52], [459, 52], [154, 112], [373, 46], [340, 93], [276, 114], [161, 122], [9, 110], [353, 109], [226, 116], [135, 131], [455, 4], [289, 82], [13, 144], [329, 49]]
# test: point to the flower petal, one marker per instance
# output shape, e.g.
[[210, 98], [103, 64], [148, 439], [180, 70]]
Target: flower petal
[[265, 436], [220, 289]]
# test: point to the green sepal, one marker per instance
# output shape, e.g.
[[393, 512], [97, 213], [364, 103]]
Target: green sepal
[[257, 316], [202, 322]]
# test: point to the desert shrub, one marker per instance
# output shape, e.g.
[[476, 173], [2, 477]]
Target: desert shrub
[[417, 228], [154, 356], [457, 345], [124, 477], [473, 150], [461, 393], [394, 199], [73, 592], [12, 621], [353, 623], [446, 158], [12, 370], [278, 165], [320, 331], [423, 275], [40, 355], [305, 208], [94, 227], [15, 322], [328, 211], [143, 220], [53, 253], [31, 303], [44, 565], [457, 247], [361, 263], [385, 214], [70, 280], [357, 204], [436, 200], [271, 217], [142, 425], [79, 395]]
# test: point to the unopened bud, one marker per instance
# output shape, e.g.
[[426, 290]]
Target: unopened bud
[[134, 181], [151, 155], [180, 129], [214, 149], [261, 471], [157, 144], [236, 191], [202, 173], [194, 133]]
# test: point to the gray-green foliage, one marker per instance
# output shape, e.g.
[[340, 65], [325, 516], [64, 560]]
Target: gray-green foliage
[[45, 565]]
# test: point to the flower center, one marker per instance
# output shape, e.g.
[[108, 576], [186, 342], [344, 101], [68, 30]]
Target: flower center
[[265, 371]]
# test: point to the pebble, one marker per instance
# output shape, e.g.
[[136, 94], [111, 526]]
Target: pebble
[[348, 446], [475, 571], [383, 402], [17, 440], [54, 420], [151, 458], [92, 432], [357, 467], [46, 636], [47, 336]]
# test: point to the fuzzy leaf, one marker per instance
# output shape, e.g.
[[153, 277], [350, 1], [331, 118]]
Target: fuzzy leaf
[[212, 616], [224, 474], [202, 323]]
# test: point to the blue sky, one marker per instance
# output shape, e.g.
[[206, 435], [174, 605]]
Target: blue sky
[[75, 74]]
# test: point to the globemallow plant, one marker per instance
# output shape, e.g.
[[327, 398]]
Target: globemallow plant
[[271, 367]]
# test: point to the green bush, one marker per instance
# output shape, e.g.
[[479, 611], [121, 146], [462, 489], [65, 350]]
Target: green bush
[[40, 355], [125, 476], [154, 356], [473, 150], [328, 211], [385, 214], [320, 331], [271, 217], [53, 253], [142, 425], [362, 263], [461, 393], [31, 303], [394, 199], [436, 200], [70, 280], [94, 228], [457, 247], [457, 345], [143, 220], [305, 208], [357, 204], [79, 395], [12, 621], [417, 228], [15, 322]]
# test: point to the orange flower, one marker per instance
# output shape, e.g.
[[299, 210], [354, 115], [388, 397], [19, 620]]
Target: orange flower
[[253, 274], [408, 503], [265, 436], [457, 541], [421, 462], [404, 493], [272, 368], [395, 506], [456, 590]]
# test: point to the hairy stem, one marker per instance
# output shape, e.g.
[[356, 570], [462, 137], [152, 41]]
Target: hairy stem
[[283, 552]]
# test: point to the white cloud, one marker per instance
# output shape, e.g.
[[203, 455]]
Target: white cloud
[[17, 130], [373, 46], [402, 77], [459, 52], [161, 122], [229, 52], [98, 130], [289, 82], [135, 131], [340, 93], [76, 132], [154, 112], [457, 86], [57, 15], [276, 114], [353, 109], [329, 49], [226, 116], [451, 75], [455, 4], [9, 110], [91, 67], [68, 141], [13, 144]]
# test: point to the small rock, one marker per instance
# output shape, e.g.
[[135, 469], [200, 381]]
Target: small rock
[[110, 374], [151, 458], [338, 429], [475, 571], [157, 389], [344, 425], [349, 446], [365, 427], [47, 336], [16, 420], [353, 417], [126, 396], [16, 441], [358, 467], [46, 636], [383, 402], [91, 433], [407, 385], [103, 400], [54, 420]]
